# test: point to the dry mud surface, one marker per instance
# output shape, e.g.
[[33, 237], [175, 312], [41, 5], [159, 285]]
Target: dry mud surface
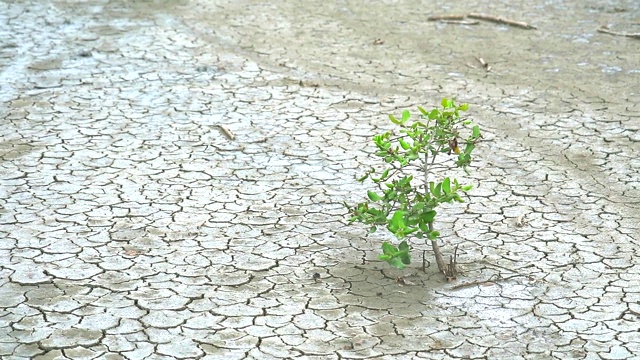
[[131, 227]]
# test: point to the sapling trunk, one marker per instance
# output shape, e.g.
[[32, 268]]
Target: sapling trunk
[[434, 243], [437, 253]]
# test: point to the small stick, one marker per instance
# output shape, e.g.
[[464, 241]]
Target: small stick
[[445, 17], [500, 20], [226, 132], [460, 22], [472, 283], [606, 30], [484, 64], [492, 279]]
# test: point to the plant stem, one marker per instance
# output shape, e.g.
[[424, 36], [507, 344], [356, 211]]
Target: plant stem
[[425, 169], [437, 253], [434, 243]]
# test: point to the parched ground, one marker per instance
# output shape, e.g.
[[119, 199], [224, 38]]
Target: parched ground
[[133, 227]]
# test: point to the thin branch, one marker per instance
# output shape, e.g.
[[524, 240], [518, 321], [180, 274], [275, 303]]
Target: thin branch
[[460, 22], [490, 281], [445, 17], [226, 132], [389, 176], [436, 154], [426, 172], [500, 20], [605, 29]]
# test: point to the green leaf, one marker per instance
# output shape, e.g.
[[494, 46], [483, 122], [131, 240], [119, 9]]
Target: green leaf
[[403, 246], [447, 103], [396, 263], [433, 235], [409, 231], [469, 148], [406, 258], [476, 132], [464, 107], [428, 217], [397, 220], [405, 116], [384, 174], [437, 190], [394, 120], [467, 187], [423, 111], [372, 229], [446, 186], [434, 114], [389, 249], [382, 177], [373, 196], [404, 144]]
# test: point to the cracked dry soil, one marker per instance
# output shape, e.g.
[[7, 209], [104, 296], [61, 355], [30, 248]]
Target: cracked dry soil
[[132, 228]]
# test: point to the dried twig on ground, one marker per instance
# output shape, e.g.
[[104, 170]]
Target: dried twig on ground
[[605, 29], [493, 279], [484, 64], [445, 17], [226, 132], [460, 22], [500, 20], [451, 272]]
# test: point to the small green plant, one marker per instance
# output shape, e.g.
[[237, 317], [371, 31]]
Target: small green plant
[[411, 155]]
